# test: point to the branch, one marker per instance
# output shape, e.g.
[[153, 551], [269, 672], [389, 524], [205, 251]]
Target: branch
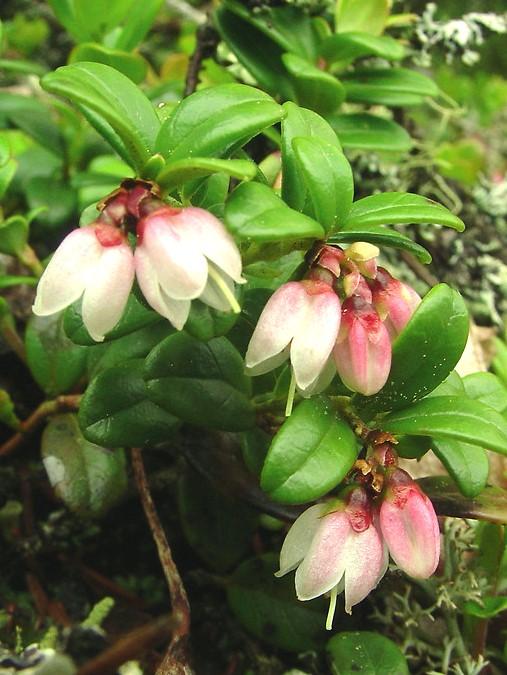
[[175, 661], [206, 42]]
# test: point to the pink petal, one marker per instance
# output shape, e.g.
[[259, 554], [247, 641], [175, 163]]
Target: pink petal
[[65, 277], [277, 325], [315, 338], [324, 564], [181, 268], [299, 538], [107, 291], [366, 563]]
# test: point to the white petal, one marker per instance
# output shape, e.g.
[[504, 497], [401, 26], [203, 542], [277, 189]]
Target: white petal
[[315, 338], [176, 311], [298, 539], [324, 564], [107, 291], [278, 323], [365, 565], [213, 296], [213, 240], [269, 364], [181, 268], [323, 381], [65, 277]]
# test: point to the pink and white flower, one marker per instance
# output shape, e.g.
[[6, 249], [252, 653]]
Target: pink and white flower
[[300, 321], [95, 262], [183, 254], [410, 526], [363, 348], [335, 547], [394, 301]]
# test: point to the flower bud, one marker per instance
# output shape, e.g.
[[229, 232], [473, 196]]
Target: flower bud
[[364, 255], [409, 525], [363, 349], [394, 301]]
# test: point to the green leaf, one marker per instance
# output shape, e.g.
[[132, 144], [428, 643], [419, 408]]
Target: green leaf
[[216, 121], [100, 16], [393, 208], [135, 316], [202, 383], [499, 363], [381, 236], [314, 88], [413, 447], [363, 131], [32, 117], [217, 527], [365, 653], [300, 122], [388, 86], [425, 352], [467, 464], [253, 211], [328, 178], [346, 47], [490, 505], [64, 12], [267, 607], [490, 606], [55, 362], [451, 418], [8, 280], [13, 235], [131, 65], [137, 23], [368, 16], [116, 411], [109, 99], [55, 200], [7, 411], [205, 322], [311, 453], [486, 388], [89, 479], [178, 172], [7, 173]]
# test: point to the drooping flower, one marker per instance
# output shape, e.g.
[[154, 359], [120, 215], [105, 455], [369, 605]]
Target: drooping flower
[[394, 301], [410, 526], [184, 254], [300, 321], [95, 262], [335, 547], [363, 348]]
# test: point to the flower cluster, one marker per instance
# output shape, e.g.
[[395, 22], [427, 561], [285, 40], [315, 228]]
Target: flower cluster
[[342, 317], [343, 545], [181, 254]]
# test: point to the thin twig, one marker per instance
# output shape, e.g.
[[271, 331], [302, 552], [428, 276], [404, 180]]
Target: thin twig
[[206, 42], [176, 660], [12, 338], [59, 404], [128, 647]]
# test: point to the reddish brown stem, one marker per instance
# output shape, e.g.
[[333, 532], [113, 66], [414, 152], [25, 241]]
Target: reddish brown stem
[[175, 661]]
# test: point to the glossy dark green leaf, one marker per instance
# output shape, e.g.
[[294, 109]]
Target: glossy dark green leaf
[[115, 410], [328, 179], [425, 352], [488, 389], [55, 362], [451, 418], [109, 99], [131, 65], [345, 47], [217, 527], [311, 453], [380, 236], [202, 383], [413, 447], [490, 505], [392, 208], [176, 173], [214, 122], [368, 16], [388, 86], [267, 607], [254, 212], [135, 316], [467, 464], [365, 653], [313, 87], [300, 122], [364, 131], [88, 478]]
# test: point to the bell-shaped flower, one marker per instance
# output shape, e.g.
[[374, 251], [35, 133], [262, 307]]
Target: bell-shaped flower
[[410, 526], [183, 254], [95, 262], [335, 547], [300, 321], [364, 256], [363, 348], [394, 301]]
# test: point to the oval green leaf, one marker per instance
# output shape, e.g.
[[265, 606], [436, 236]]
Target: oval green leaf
[[363, 131], [388, 86], [380, 236], [314, 88], [365, 653], [467, 464]]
